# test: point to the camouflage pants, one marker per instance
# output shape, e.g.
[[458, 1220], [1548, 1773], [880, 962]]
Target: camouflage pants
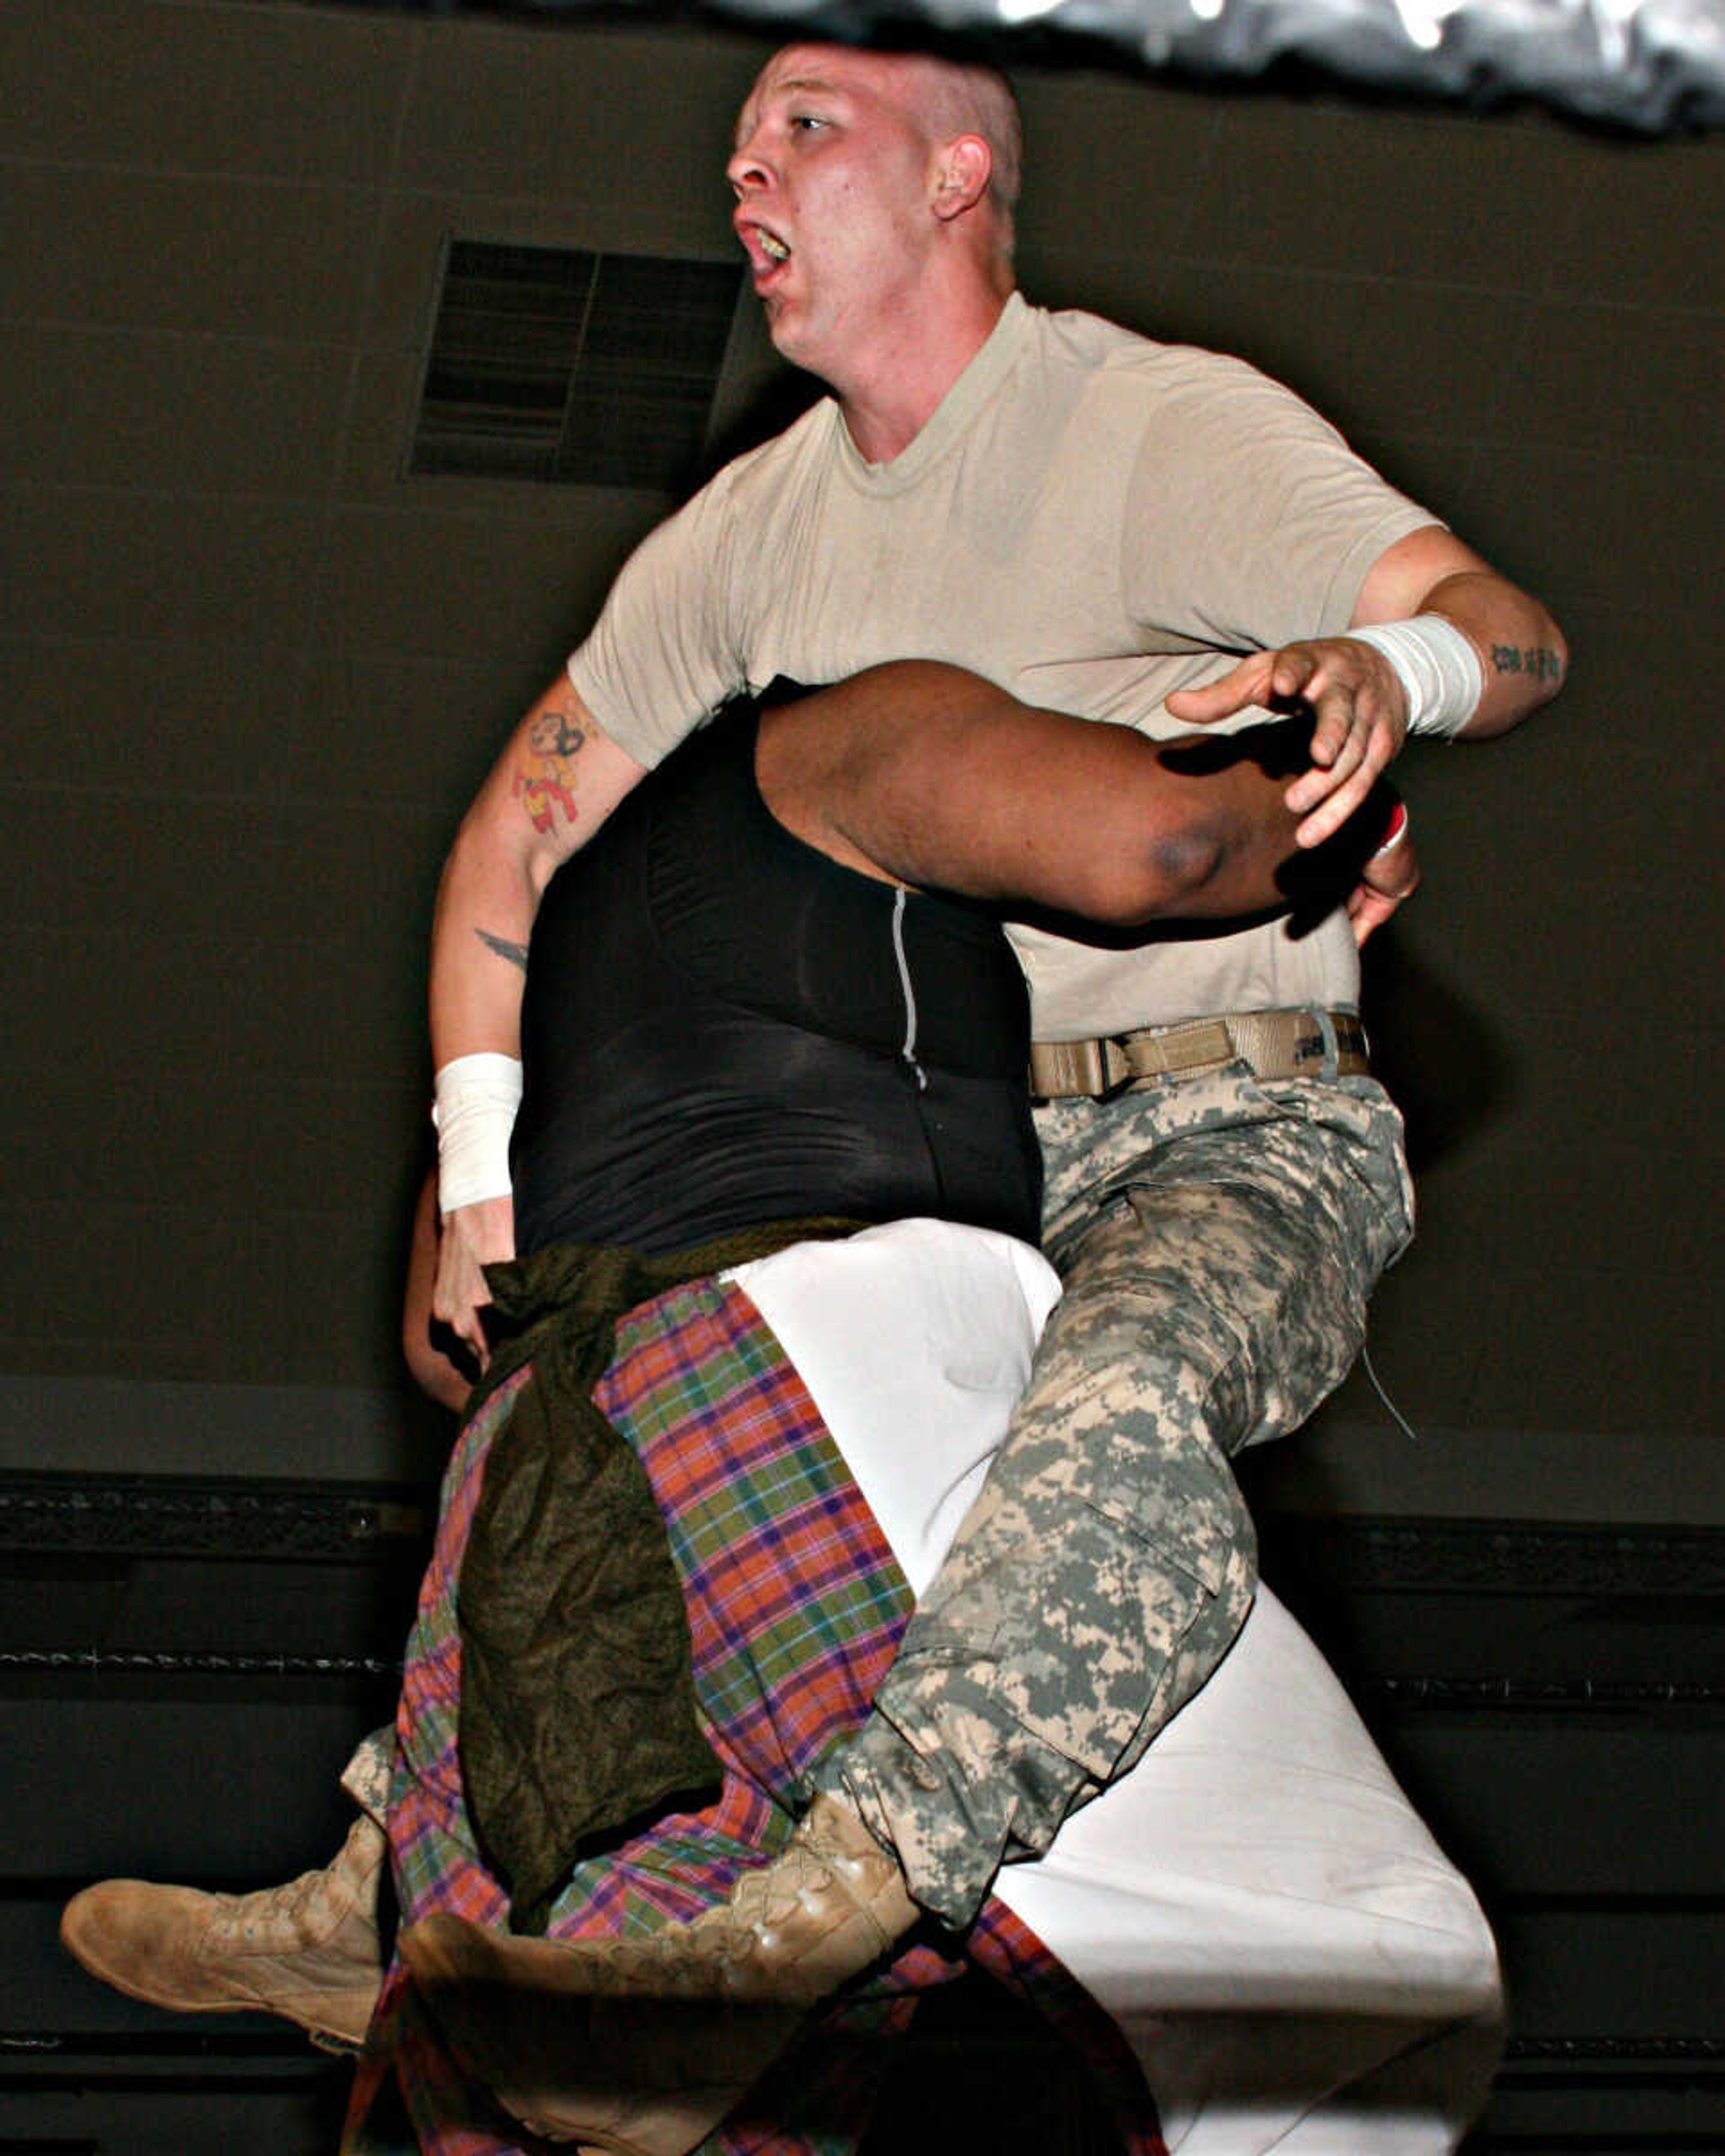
[[1218, 1238], [367, 1775]]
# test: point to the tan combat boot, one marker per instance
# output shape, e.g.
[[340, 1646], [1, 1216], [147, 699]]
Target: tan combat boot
[[640, 2046], [308, 1951]]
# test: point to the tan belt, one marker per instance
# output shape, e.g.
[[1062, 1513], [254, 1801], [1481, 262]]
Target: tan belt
[[1277, 1044]]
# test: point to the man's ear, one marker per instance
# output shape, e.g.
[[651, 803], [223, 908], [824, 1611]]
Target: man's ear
[[961, 177]]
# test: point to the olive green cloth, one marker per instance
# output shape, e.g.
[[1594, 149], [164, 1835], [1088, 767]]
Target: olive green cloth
[[577, 1704]]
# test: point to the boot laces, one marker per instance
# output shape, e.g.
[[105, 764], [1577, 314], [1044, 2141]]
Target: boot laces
[[273, 1909]]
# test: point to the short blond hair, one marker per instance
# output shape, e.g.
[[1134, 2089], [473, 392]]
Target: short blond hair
[[968, 97], [965, 98]]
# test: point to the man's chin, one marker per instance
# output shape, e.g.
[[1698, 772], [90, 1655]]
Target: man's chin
[[787, 326]]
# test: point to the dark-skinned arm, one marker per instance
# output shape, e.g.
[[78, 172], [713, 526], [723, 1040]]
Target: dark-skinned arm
[[924, 774]]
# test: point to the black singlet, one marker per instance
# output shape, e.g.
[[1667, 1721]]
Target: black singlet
[[716, 1032]]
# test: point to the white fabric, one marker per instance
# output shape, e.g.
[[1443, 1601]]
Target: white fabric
[[477, 1099], [915, 1341], [1296, 1962], [1439, 670]]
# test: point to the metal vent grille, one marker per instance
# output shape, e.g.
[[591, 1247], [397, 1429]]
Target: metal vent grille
[[561, 364]]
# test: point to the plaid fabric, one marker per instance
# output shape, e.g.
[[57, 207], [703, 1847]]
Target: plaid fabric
[[795, 1607]]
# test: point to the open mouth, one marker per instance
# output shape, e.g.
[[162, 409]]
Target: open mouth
[[766, 250]]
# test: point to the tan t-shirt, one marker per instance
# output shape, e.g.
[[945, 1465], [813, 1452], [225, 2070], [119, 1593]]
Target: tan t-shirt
[[1089, 519]]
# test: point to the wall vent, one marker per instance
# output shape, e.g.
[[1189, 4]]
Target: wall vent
[[557, 364]]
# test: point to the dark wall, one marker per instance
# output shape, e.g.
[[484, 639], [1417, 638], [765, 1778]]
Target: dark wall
[[253, 673]]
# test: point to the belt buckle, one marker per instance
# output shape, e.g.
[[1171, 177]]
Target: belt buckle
[[1123, 1083], [1095, 1083], [1078, 1071]]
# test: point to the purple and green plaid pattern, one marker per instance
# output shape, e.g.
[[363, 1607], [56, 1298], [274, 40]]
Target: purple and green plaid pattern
[[796, 1605]]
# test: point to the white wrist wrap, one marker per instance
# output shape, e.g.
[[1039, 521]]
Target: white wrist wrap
[[477, 1096], [1437, 666]]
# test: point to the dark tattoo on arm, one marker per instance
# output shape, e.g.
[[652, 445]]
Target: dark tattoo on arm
[[1543, 664], [553, 735], [516, 954]]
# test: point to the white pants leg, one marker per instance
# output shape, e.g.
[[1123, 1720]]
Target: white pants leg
[[1297, 1962]]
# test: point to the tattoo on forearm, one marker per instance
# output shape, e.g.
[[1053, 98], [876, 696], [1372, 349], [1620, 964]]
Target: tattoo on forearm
[[555, 736], [1543, 664], [543, 778], [516, 954]]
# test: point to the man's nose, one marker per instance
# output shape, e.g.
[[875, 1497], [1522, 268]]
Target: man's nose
[[747, 169]]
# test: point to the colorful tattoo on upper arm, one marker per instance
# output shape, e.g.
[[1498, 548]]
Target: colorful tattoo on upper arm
[[543, 778]]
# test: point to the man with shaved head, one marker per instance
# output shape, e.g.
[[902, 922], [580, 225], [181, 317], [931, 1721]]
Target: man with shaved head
[[1141, 535]]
